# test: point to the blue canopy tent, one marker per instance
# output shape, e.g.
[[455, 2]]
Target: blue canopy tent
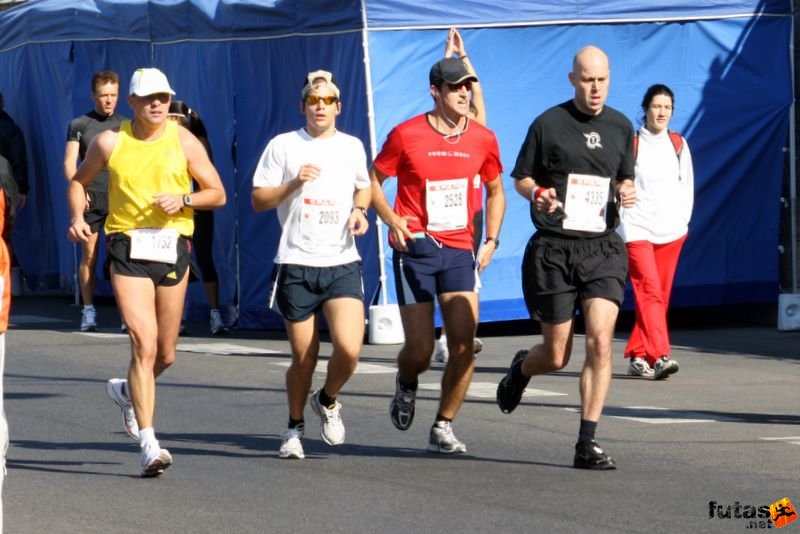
[[241, 63]]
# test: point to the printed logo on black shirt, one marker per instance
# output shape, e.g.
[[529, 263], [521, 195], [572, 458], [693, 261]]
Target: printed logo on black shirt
[[593, 140]]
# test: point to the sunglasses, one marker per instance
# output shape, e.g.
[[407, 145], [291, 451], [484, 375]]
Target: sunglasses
[[313, 100], [457, 86]]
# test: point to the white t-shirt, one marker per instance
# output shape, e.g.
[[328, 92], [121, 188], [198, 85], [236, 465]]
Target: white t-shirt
[[314, 217], [664, 192]]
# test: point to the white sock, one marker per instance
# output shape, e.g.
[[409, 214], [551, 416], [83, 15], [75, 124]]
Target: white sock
[[88, 307], [443, 339], [147, 436]]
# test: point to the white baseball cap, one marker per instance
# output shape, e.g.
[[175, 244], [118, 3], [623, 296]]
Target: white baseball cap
[[330, 80], [145, 82]]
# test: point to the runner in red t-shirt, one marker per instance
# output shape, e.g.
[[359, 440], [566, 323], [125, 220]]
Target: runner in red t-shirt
[[440, 159]]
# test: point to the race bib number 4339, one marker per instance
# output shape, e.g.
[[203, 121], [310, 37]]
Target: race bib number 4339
[[586, 202]]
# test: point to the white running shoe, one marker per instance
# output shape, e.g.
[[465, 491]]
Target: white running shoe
[[88, 320], [216, 326], [441, 353], [639, 367], [154, 460], [292, 443], [114, 390], [442, 439], [331, 426]]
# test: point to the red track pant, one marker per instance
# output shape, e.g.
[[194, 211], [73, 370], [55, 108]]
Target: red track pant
[[651, 268]]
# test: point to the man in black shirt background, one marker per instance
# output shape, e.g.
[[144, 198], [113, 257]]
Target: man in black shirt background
[[81, 131]]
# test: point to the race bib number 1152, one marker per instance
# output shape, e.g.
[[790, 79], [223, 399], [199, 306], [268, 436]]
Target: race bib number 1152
[[155, 244]]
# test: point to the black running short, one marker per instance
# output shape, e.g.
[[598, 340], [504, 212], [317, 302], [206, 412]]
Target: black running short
[[162, 274], [558, 273], [97, 210]]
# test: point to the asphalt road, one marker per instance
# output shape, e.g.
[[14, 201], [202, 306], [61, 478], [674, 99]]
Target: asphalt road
[[722, 435]]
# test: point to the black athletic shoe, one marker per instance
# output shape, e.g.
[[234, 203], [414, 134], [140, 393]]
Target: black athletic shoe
[[401, 409], [508, 393], [664, 367], [589, 455]]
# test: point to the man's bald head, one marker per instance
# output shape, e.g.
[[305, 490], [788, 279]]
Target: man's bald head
[[589, 55], [590, 77]]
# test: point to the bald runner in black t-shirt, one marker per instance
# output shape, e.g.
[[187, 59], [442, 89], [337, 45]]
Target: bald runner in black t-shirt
[[562, 141], [575, 165]]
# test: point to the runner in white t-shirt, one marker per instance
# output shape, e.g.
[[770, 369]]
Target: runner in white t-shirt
[[316, 178]]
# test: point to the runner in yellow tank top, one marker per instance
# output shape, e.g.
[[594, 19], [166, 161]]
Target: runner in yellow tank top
[[150, 217], [140, 169]]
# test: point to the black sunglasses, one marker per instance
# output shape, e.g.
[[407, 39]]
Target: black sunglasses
[[457, 86]]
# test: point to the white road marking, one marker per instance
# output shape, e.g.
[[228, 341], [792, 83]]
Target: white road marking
[[224, 348], [488, 390], [103, 335], [794, 440], [656, 415], [361, 368]]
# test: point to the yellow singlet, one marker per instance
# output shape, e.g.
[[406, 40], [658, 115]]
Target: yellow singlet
[[139, 169]]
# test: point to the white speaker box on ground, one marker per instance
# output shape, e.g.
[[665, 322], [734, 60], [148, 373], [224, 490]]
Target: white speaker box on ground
[[385, 326], [789, 311]]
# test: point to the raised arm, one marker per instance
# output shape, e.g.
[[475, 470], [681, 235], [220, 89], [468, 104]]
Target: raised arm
[[455, 45]]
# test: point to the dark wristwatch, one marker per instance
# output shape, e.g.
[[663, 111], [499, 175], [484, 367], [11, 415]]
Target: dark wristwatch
[[187, 200], [496, 242]]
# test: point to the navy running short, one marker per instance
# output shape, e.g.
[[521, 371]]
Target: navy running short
[[298, 291], [430, 268]]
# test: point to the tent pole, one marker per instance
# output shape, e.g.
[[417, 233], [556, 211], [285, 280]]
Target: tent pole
[[76, 276], [793, 163], [372, 142]]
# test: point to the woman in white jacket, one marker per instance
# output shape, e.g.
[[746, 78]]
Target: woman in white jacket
[[654, 231]]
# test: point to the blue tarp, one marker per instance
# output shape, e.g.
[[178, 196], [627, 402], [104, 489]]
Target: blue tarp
[[479, 13], [241, 63]]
